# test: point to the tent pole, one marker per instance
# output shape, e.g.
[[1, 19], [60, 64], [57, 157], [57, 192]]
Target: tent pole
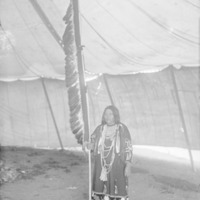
[[108, 89], [51, 110], [46, 21], [182, 116], [83, 89]]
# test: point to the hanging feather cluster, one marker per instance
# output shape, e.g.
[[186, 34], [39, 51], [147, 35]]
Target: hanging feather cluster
[[71, 76]]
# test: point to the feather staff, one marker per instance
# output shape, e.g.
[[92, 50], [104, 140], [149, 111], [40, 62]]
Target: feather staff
[[71, 76], [76, 87]]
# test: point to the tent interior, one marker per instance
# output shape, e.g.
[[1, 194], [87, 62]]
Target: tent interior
[[141, 55], [131, 49]]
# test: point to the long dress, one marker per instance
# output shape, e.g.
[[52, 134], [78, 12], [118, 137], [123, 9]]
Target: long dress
[[110, 157]]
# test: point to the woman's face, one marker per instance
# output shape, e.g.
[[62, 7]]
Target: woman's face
[[109, 117]]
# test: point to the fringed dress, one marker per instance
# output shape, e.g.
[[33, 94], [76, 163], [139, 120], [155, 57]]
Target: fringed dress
[[110, 157]]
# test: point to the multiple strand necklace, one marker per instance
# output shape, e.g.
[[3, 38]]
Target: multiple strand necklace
[[109, 137]]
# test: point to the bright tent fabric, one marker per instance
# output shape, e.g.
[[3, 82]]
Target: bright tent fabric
[[146, 102], [119, 37]]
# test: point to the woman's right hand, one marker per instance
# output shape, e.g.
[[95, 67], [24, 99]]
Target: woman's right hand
[[88, 145]]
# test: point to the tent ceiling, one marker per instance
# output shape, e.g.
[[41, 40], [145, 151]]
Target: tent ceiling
[[119, 36]]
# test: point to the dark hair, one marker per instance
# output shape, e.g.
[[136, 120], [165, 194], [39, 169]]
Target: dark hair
[[115, 112]]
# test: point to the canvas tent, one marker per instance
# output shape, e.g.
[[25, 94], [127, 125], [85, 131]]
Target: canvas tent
[[121, 39]]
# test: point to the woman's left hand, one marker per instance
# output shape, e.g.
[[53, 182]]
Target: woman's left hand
[[127, 171]]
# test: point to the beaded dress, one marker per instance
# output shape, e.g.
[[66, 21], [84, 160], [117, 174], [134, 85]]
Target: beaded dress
[[112, 149]]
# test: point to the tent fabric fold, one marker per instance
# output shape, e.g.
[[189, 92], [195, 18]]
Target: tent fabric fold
[[120, 37]]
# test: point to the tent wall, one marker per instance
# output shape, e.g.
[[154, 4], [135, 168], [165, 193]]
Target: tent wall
[[25, 116], [148, 106], [146, 102]]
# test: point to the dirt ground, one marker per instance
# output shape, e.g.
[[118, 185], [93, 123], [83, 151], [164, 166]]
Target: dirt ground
[[35, 174]]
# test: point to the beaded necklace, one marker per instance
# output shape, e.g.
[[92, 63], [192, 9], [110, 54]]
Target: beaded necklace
[[107, 150]]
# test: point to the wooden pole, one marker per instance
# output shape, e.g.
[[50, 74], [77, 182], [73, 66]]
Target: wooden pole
[[108, 89], [182, 116], [83, 89], [51, 111], [46, 21]]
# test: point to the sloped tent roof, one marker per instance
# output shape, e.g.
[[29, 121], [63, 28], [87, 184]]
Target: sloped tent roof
[[119, 36]]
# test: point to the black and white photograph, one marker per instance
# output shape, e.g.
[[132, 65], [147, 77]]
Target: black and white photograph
[[99, 99]]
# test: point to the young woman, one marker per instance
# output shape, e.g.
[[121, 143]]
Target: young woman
[[112, 150]]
